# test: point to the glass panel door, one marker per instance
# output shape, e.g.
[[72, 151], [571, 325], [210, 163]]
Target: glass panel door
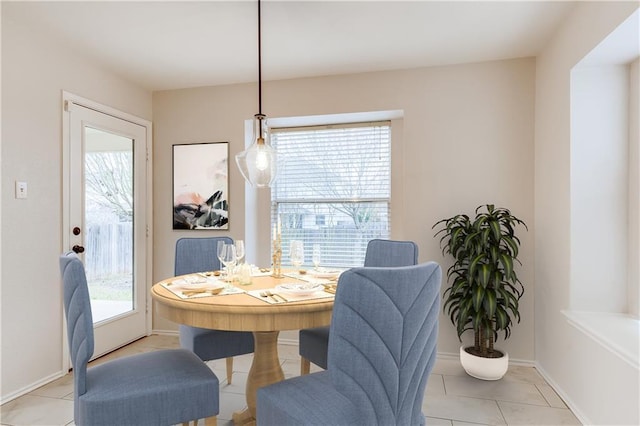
[[107, 220]]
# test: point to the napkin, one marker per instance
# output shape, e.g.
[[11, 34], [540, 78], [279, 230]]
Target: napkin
[[260, 272]]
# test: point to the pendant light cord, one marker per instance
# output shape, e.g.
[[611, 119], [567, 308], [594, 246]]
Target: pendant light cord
[[259, 63]]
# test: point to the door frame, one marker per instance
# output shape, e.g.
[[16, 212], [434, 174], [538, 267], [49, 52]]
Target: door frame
[[68, 99]]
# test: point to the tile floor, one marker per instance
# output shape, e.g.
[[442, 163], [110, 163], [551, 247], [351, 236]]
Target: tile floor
[[452, 398]]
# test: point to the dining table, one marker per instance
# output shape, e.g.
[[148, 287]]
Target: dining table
[[261, 307]]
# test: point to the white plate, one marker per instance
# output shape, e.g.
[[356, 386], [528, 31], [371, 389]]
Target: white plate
[[195, 279], [193, 283], [197, 287], [324, 273], [299, 289]]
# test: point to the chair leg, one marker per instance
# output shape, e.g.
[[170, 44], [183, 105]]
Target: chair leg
[[211, 421], [186, 423], [305, 366], [229, 369]]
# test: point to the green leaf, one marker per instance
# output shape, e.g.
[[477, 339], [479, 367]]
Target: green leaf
[[490, 303], [495, 229], [495, 253], [507, 264], [502, 319], [478, 295], [474, 264], [477, 320], [497, 279], [513, 246], [485, 237], [484, 275]]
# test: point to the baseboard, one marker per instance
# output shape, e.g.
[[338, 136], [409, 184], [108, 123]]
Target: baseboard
[[289, 342], [166, 332], [567, 400], [512, 361], [448, 356], [29, 388]]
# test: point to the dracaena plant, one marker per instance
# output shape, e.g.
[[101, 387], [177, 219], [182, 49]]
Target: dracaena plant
[[484, 289]]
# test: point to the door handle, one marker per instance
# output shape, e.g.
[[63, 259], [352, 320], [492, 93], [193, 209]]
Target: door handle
[[77, 249]]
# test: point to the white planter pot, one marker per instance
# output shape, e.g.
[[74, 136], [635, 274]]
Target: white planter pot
[[484, 368]]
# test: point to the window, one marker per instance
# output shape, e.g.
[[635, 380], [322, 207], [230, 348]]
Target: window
[[334, 189]]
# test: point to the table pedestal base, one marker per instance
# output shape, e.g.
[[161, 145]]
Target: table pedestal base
[[244, 418], [265, 370]]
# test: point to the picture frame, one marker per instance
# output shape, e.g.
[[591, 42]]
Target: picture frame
[[201, 186]]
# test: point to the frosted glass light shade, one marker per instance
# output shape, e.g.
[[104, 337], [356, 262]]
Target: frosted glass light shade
[[259, 163]]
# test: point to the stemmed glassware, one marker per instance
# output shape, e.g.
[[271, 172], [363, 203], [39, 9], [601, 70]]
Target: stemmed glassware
[[296, 253], [220, 251], [317, 256], [240, 251], [229, 259], [243, 271]]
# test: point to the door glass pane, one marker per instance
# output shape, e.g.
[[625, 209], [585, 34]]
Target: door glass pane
[[108, 195]]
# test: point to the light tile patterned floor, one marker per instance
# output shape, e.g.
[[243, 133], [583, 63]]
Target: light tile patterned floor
[[452, 398]]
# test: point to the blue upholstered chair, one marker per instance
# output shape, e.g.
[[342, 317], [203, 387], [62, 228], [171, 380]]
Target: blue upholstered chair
[[199, 255], [382, 348], [163, 387], [313, 342], [390, 253]]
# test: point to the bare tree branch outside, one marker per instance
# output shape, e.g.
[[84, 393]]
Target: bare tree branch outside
[[109, 182]]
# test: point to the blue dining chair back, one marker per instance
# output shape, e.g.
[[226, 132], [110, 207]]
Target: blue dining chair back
[[160, 387], [77, 305], [384, 330], [200, 255], [390, 253], [314, 342]]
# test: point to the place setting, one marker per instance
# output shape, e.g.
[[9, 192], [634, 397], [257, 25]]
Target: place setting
[[203, 284], [292, 292]]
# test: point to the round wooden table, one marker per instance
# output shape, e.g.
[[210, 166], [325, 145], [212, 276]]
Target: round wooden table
[[243, 312]]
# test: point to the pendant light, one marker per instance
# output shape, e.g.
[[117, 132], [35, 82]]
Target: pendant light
[[259, 163]]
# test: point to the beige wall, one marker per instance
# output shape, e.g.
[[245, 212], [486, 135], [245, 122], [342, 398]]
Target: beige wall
[[600, 387], [35, 71], [466, 139]]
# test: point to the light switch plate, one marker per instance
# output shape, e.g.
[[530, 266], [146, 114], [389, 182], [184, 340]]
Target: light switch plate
[[21, 189]]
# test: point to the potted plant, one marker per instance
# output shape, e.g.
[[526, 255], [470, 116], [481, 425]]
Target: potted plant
[[484, 289]]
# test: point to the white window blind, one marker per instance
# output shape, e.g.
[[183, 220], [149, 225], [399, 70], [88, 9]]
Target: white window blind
[[334, 189]]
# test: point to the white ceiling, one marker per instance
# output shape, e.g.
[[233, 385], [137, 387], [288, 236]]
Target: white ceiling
[[180, 44]]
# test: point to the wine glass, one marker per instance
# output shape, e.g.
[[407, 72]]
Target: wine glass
[[239, 251], [220, 251], [229, 259], [296, 253], [317, 256]]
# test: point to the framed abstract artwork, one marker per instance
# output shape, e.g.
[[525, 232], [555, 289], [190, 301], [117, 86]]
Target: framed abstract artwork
[[201, 186]]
